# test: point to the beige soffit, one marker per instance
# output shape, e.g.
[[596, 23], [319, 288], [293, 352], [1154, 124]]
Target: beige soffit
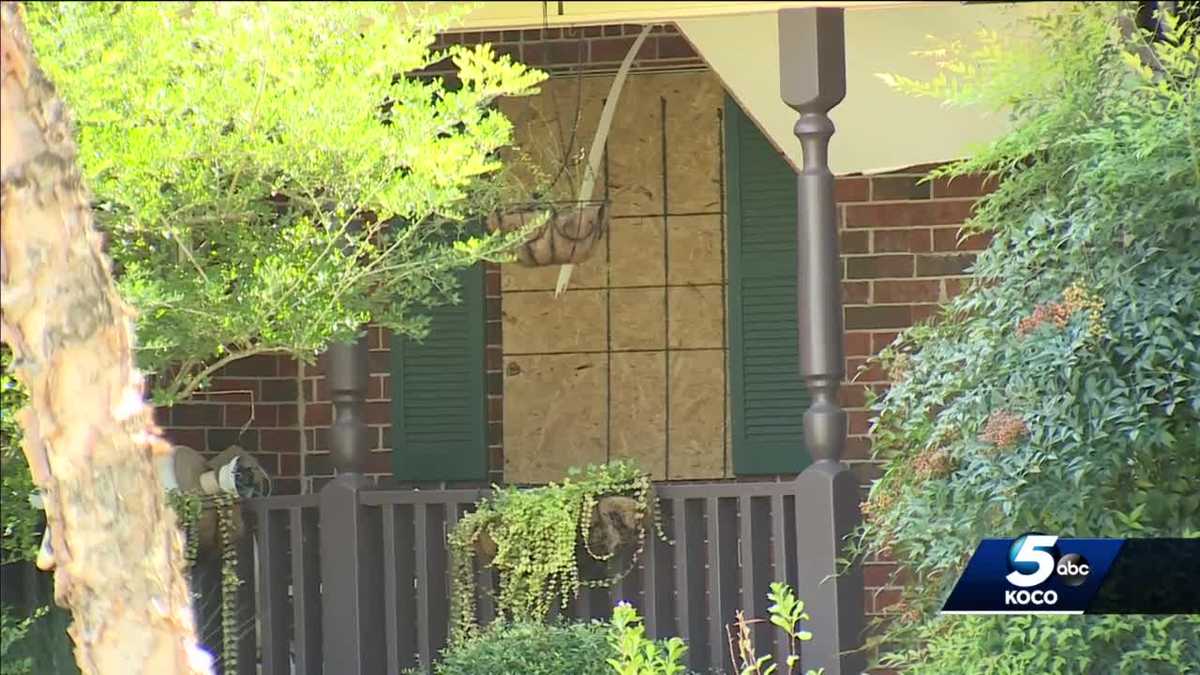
[[877, 129]]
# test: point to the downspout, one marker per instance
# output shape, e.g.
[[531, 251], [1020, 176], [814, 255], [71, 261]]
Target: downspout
[[596, 154]]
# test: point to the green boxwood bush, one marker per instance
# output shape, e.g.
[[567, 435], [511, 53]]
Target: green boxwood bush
[[531, 649]]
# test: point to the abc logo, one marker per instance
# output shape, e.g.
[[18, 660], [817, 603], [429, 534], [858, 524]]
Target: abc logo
[[1032, 560], [1073, 569]]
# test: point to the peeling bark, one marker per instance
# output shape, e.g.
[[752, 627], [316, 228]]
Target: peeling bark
[[88, 434]]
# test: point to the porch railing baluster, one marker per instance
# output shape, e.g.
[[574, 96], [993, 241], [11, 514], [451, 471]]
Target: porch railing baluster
[[421, 530], [306, 615], [273, 600], [391, 591]]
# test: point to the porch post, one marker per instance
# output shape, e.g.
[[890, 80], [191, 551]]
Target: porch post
[[346, 371], [351, 627], [813, 81]]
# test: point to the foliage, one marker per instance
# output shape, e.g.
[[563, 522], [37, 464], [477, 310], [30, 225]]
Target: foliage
[[37, 636], [1149, 645], [535, 533], [786, 612], [270, 176], [533, 648], [12, 631], [189, 507], [19, 538], [36, 640], [230, 581], [635, 653], [1061, 391]]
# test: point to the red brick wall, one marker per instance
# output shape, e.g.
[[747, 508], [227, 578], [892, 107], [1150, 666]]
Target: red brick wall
[[901, 258]]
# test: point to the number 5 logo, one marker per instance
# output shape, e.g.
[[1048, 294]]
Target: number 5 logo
[[1030, 556]]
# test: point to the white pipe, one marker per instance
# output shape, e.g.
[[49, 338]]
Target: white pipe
[[596, 154]]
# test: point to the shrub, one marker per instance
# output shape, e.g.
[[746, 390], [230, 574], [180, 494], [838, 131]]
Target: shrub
[[635, 653], [278, 169], [531, 649], [12, 631], [1061, 391]]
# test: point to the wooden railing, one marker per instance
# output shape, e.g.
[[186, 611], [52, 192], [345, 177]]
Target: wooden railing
[[727, 542]]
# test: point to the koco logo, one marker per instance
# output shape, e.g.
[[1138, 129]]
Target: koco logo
[[1033, 559]]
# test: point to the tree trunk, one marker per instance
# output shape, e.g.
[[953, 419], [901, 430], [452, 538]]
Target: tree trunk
[[89, 437]]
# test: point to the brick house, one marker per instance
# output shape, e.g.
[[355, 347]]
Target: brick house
[[675, 344]]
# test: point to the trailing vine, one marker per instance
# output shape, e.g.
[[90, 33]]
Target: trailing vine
[[227, 529], [188, 507], [531, 536]]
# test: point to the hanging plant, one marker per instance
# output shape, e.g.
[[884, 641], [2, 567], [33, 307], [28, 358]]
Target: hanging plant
[[565, 234], [532, 538], [189, 509]]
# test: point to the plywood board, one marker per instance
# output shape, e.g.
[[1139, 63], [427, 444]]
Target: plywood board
[[697, 319], [694, 104], [697, 414], [638, 413], [694, 249], [642, 320], [636, 257], [554, 415], [535, 322]]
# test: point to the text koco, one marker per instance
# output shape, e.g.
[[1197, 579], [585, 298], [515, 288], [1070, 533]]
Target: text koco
[[1024, 597]]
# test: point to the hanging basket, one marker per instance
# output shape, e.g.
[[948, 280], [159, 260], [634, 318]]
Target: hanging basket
[[567, 237]]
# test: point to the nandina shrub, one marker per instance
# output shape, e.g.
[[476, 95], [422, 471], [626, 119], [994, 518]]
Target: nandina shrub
[[1061, 391]]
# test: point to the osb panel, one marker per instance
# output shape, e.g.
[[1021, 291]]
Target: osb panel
[[636, 258], [592, 273], [635, 148], [556, 127], [694, 105], [697, 321], [553, 415], [638, 413], [635, 144], [537, 322], [697, 414], [694, 245], [638, 318]]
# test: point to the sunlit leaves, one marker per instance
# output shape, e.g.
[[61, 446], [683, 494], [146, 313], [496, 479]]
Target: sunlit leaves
[[1101, 188], [241, 151]]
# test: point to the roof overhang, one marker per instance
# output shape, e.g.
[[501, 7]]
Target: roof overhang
[[878, 129]]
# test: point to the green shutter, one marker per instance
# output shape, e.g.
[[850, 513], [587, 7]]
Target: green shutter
[[439, 393], [767, 397]]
